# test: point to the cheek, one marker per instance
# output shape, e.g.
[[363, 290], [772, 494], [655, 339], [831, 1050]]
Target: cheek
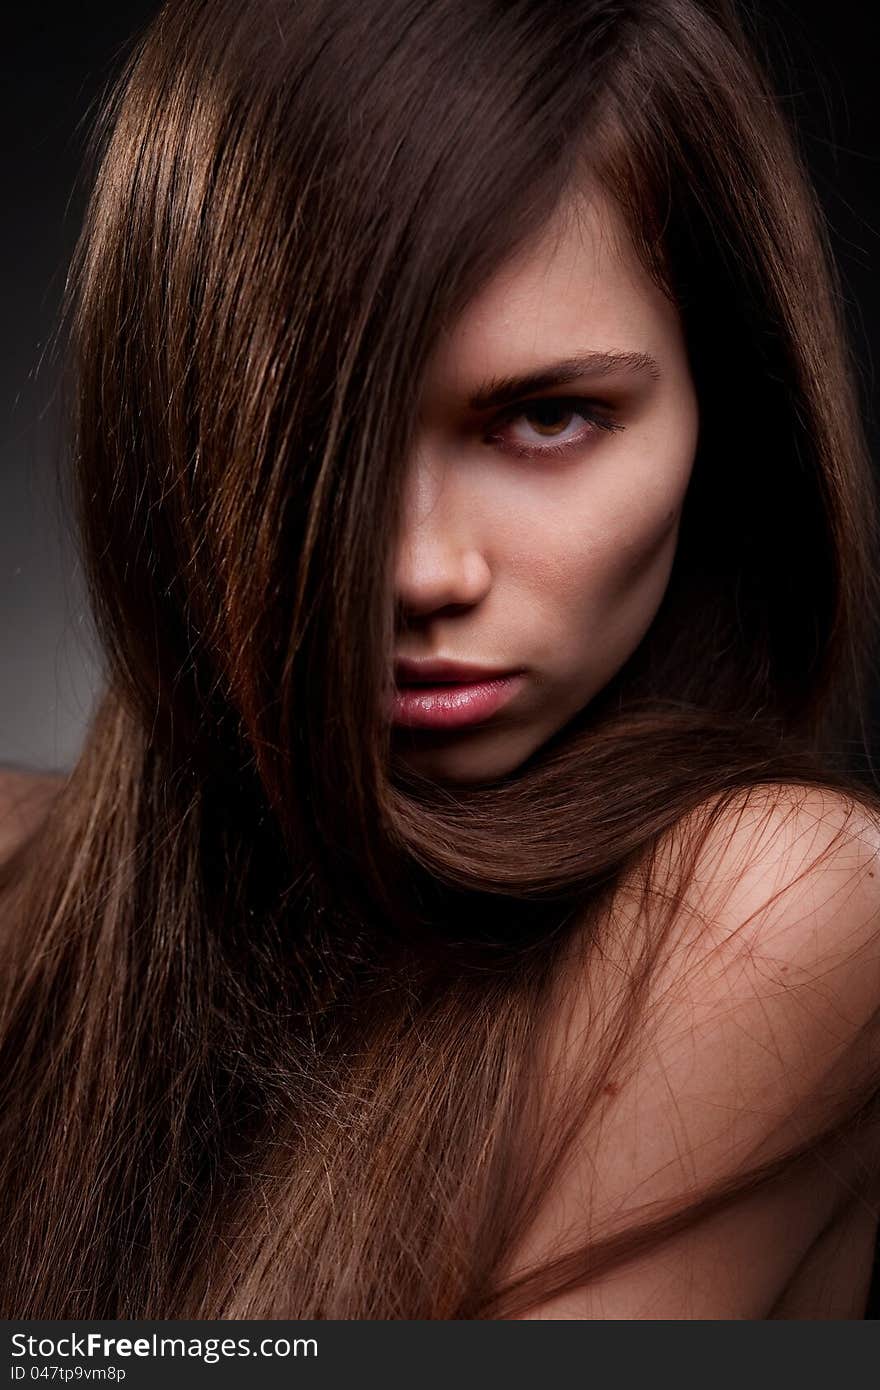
[[611, 598], [637, 566], [596, 556]]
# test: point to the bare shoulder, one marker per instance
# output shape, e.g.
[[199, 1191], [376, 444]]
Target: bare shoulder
[[776, 835], [757, 1031], [775, 898], [24, 798], [774, 960], [785, 891]]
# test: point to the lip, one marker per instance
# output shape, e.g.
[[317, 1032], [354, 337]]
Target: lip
[[442, 672], [452, 704]]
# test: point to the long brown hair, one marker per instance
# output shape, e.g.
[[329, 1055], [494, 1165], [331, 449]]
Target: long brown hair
[[272, 1007]]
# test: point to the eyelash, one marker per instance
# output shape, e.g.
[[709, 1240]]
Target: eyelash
[[577, 405]]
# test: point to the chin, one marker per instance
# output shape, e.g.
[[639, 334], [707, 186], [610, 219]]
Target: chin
[[469, 758]]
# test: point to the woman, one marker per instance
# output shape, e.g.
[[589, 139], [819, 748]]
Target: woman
[[406, 337]]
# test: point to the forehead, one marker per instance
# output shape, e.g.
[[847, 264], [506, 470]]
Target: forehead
[[579, 285]]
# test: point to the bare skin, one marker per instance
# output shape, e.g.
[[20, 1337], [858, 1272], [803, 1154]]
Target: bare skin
[[558, 565], [751, 1034], [555, 564], [24, 797], [767, 1024], [833, 1279]]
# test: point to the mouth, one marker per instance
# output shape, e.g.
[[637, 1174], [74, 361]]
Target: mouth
[[450, 704]]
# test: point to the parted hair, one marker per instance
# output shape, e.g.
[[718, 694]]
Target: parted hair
[[274, 1009]]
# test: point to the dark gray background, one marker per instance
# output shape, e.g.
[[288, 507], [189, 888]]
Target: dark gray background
[[55, 68]]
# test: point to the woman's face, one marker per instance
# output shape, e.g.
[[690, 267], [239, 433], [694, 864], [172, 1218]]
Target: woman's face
[[551, 565]]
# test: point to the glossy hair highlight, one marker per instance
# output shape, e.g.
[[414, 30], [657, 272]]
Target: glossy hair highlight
[[274, 1009]]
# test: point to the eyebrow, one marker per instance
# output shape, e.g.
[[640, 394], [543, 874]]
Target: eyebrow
[[502, 390]]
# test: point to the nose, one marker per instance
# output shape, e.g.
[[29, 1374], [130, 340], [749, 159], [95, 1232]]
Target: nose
[[440, 563]]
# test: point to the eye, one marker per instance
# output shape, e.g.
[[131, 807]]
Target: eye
[[549, 417]]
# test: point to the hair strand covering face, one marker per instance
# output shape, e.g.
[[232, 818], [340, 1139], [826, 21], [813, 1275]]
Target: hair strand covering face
[[272, 1010]]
